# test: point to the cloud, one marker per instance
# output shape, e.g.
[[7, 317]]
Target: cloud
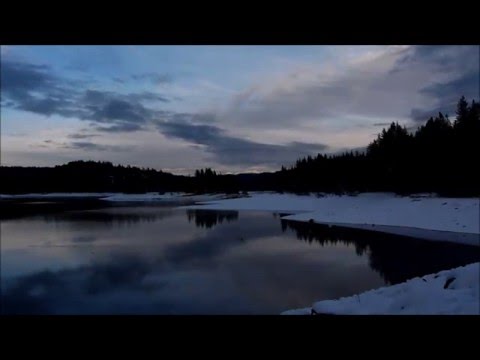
[[35, 88], [89, 146], [446, 58], [124, 127], [155, 78], [146, 96], [81, 136], [118, 80], [386, 84], [125, 112], [19, 79], [82, 145], [232, 150], [462, 66], [118, 110]]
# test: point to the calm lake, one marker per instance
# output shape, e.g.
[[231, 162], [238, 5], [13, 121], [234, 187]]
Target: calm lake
[[152, 259]]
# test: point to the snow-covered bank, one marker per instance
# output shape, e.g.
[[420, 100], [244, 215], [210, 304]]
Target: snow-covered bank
[[433, 218], [449, 292]]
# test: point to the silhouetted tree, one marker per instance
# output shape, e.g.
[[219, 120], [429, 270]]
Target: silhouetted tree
[[437, 157]]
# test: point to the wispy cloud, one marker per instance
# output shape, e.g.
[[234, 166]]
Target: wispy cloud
[[390, 82], [37, 89], [81, 136], [229, 149], [90, 146], [154, 78]]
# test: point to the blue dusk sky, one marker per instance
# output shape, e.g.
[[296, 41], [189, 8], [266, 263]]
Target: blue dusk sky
[[234, 108]]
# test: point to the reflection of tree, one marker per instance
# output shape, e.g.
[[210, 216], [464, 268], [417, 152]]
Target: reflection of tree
[[109, 218], [280, 215], [211, 218], [396, 258]]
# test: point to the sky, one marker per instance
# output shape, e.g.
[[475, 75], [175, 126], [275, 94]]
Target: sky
[[232, 108]]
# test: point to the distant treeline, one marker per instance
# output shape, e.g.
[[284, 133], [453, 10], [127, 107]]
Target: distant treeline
[[440, 156]]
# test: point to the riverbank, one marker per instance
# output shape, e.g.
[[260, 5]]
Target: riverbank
[[449, 292], [423, 216]]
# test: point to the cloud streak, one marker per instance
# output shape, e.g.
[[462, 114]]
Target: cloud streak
[[153, 77], [90, 146], [394, 82], [81, 136], [232, 150], [36, 89]]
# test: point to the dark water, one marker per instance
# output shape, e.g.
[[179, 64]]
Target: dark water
[[166, 260]]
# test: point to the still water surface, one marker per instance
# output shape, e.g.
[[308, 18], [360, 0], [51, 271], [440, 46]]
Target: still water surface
[[167, 260]]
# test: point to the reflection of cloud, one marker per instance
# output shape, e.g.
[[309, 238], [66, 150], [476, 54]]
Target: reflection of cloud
[[58, 289], [124, 285]]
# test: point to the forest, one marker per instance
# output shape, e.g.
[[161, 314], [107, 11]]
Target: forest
[[440, 156]]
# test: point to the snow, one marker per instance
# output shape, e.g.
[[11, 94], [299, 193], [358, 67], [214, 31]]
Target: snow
[[304, 311], [428, 217], [449, 292]]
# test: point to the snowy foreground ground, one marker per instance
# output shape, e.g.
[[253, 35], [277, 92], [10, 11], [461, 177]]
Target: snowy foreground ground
[[433, 218], [453, 291]]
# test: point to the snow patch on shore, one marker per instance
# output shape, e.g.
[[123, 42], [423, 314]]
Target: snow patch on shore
[[449, 292], [372, 211]]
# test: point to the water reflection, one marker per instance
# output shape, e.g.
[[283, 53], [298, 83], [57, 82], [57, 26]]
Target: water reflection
[[85, 289], [156, 260], [21, 208], [111, 217], [396, 258], [208, 218]]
